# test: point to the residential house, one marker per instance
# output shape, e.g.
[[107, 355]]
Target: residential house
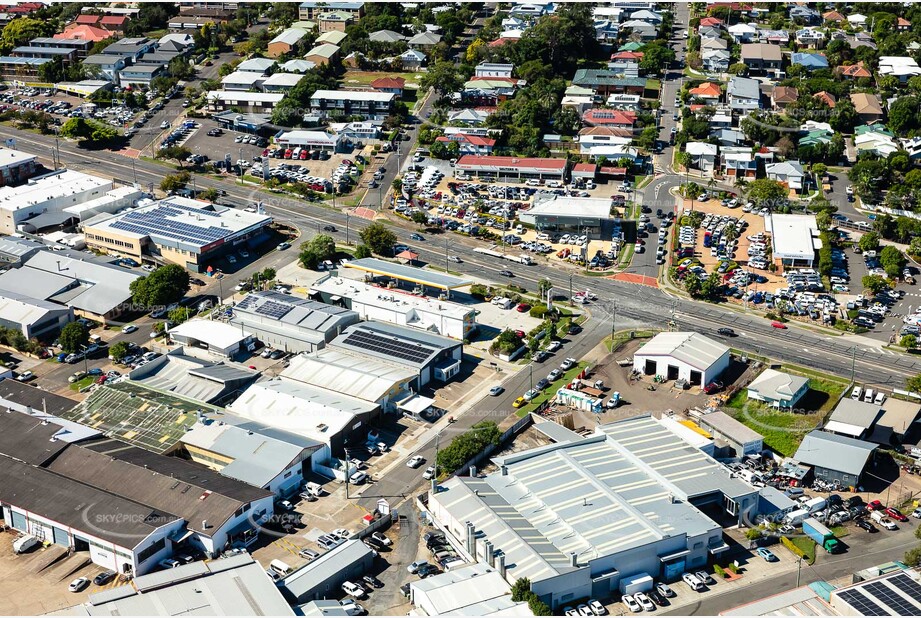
[[762, 57], [773, 37], [875, 139], [256, 65], [281, 82], [714, 43], [601, 117], [580, 104], [777, 389], [710, 33], [287, 42], [810, 37], [901, 67], [811, 62], [489, 90], [134, 48], [242, 80], [743, 33], [708, 92], [782, 96], [322, 54], [721, 118], [106, 66], [624, 102], [424, 41], [833, 17], [140, 74], [634, 56], [412, 59], [311, 10], [711, 22], [334, 21], [744, 94], [470, 144], [625, 68], [868, 107], [804, 14], [642, 29], [298, 66], [493, 69], [902, 24], [715, 60], [652, 17], [386, 36], [604, 82], [790, 173], [854, 71], [815, 136], [826, 97], [394, 85], [857, 20], [703, 156], [370, 104], [83, 32], [738, 162]]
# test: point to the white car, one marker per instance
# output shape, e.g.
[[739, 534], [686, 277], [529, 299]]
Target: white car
[[597, 608], [584, 610], [353, 590], [129, 329], [351, 608], [415, 461], [380, 538], [631, 603], [643, 600], [78, 584], [429, 473]]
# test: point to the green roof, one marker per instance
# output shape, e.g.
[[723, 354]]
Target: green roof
[[873, 128], [631, 46], [602, 77]]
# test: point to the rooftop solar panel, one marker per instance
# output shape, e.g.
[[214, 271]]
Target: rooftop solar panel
[[893, 599], [412, 352], [862, 604], [907, 585]]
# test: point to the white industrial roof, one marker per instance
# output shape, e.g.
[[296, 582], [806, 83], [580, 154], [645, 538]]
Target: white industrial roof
[[474, 590], [398, 302], [283, 79], [246, 97], [10, 158], [350, 374], [312, 137], [775, 384], [290, 36], [215, 334], [852, 417], [46, 188], [303, 409], [695, 439], [700, 148], [558, 206], [695, 350], [18, 308], [353, 95], [794, 236]]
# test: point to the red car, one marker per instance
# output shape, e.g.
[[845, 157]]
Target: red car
[[522, 307], [520, 334], [895, 514], [713, 387], [778, 325], [875, 505]]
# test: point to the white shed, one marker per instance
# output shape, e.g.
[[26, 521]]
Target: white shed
[[687, 356]]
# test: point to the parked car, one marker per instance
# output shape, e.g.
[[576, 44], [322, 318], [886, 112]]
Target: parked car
[[631, 603], [665, 590], [644, 601], [380, 538], [104, 578], [415, 461], [767, 554], [863, 523], [78, 584]]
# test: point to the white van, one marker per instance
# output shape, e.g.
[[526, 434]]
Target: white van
[[24, 543], [280, 567], [868, 395], [314, 489], [856, 393]]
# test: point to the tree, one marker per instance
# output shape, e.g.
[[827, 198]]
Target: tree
[[869, 241], [913, 556], [710, 287], [785, 146], [320, 247], [73, 337], [819, 169], [693, 285], [268, 274], [420, 217], [543, 286], [175, 182], [160, 288], [657, 58], [378, 238], [767, 192], [892, 261], [176, 153], [362, 251], [24, 29], [119, 350], [210, 194], [874, 283], [467, 445], [903, 115], [443, 77], [179, 315], [909, 342], [914, 383], [738, 69], [88, 131], [520, 589]]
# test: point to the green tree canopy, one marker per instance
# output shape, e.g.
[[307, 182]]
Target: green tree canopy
[[73, 336], [378, 238], [892, 261], [874, 283], [362, 251], [767, 192], [119, 350], [869, 241], [164, 286]]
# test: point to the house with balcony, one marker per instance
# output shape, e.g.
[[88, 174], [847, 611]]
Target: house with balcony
[[762, 58], [370, 105], [738, 162], [470, 144], [744, 94]]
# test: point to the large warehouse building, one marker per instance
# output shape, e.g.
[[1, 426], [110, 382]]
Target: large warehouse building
[[580, 516], [579, 215], [511, 168], [682, 356], [178, 230]]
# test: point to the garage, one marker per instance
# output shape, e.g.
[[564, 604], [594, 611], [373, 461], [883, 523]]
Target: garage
[[682, 356]]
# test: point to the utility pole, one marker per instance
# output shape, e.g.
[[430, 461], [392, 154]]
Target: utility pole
[[346, 474], [446, 253], [347, 228], [853, 362], [799, 568], [241, 166], [570, 289], [531, 375], [613, 320], [434, 478]]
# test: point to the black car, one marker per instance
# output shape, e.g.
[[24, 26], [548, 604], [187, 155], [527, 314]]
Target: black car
[[330, 228], [542, 384], [427, 570], [372, 581], [574, 329], [104, 578], [657, 598], [404, 590], [726, 332], [854, 501], [863, 523], [507, 273]]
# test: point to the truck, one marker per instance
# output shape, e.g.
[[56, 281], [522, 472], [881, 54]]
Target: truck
[[815, 505], [795, 518], [24, 543], [814, 529], [521, 259]]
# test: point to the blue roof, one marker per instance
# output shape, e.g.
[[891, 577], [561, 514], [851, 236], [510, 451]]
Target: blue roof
[[810, 61], [16, 60]]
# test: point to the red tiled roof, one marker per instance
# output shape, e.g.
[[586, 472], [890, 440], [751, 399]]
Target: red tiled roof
[[903, 22], [516, 162], [710, 21], [833, 16], [627, 55], [502, 41], [609, 116], [855, 70], [584, 167], [828, 97], [86, 19], [707, 89], [114, 20], [696, 107], [614, 171], [388, 82], [84, 33]]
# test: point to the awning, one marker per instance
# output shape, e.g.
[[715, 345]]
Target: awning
[[181, 535], [674, 556], [335, 299], [416, 405], [723, 546], [606, 575]]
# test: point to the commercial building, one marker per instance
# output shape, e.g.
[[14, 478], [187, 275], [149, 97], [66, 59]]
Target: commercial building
[[475, 590], [364, 103], [741, 440], [288, 323], [324, 416], [430, 356], [422, 278], [682, 356], [254, 102], [778, 389], [40, 203], [253, 458], [322, 578], [506, 168], [91, 287], [15, 166], [311, 9], [580, 215], [179, 374], [178, 230], [14, 251], [370, 302], [580, 516], [803, 601], [853, 418], [897, 420], [834, 457], [231, 586], [31, 316], [312, 140], [217, 338]]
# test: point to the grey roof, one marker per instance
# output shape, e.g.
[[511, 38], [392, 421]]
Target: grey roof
[[557, 432], [256, 458], [776, 385], [589, 497], [40, 284], [774, 500], [57, 51], [227, 587], [729, 427], [425, 38], [474, 590], [311, 575], [351, 374], [802, 601], [396, 344], [14, 249], [857, 413], [193, 378], [169, 484], [20, 309], [142, 68], [74, 504], [899, 415], [408, 273], [386, 36], [300, 313], [35, 398], [691, 471], [688, 347], [291, 36], [840, 453], [256, 64], [744, 87], [323, 607], [102, 59], [28, 439]]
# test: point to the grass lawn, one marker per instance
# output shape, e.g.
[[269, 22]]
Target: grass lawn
[[612, 344], [806, 545], [783, 431], [627, 254], [76, 386], [550, 391], [839, 531], [364, 78]]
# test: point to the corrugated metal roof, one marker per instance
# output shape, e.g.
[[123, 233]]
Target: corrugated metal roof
[[344, 372], [691, 348], [408, 273], [839, 453], [729, 427], [312, 574]]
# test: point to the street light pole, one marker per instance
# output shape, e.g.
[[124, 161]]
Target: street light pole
[[346, 474], [347, 229], [446, 253], [570, 289], [241, 166]]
